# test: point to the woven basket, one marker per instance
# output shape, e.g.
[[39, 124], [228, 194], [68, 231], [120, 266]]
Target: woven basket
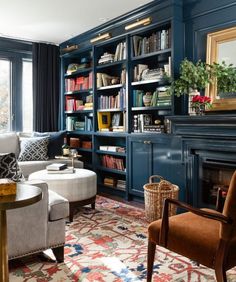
[[154, 195]]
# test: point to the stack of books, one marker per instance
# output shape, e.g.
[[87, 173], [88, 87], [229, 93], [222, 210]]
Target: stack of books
[[59, 168]]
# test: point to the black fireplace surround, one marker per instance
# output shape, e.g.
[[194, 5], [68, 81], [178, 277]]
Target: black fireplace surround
[[209, 154]]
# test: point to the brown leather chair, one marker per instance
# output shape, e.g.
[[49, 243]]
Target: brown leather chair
[[203, 235]]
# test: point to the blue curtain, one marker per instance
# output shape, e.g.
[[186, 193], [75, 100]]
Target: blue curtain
[[45, 87]]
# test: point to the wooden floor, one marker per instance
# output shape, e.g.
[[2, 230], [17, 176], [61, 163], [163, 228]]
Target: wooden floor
[[118, 199]]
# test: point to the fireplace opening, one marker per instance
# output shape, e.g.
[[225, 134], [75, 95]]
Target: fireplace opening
[[213, 175]]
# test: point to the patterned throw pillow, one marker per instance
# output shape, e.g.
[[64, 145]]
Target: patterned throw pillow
[[56, 140], [9, 167], [34, 149]]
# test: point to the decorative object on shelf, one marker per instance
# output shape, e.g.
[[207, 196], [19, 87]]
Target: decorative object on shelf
[[72, 68], [101, 37], [200, 103], [69, 49], [147, 98], [153, 74], [145, 21], [106, 58], [221, 54]]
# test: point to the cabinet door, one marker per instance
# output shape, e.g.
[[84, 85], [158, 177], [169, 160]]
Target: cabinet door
[[140, 164]]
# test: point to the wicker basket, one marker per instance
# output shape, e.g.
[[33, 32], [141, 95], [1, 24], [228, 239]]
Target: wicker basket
[[154, 195]]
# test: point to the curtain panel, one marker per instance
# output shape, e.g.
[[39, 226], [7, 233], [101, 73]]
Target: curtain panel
[[45, 87]]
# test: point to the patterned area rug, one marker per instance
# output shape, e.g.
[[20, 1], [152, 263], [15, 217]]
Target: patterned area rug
[[109, 245]]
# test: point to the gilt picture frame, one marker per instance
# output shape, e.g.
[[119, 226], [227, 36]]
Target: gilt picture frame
[[221, 46]]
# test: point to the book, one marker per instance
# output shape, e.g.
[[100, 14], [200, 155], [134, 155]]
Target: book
[[63, 171], [56, 166]]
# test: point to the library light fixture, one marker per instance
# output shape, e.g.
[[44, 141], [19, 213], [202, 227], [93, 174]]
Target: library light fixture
[[101, 37], [145, 21]]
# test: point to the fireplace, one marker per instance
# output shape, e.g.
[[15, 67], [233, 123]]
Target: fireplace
[[209, 155], [210, 171]]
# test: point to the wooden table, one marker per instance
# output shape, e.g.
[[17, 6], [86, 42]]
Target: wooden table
[[26, 195]]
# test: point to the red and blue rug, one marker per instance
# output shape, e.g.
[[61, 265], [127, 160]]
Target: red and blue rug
[[109, 245]]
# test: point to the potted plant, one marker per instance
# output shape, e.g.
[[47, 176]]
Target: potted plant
[[193, 77]]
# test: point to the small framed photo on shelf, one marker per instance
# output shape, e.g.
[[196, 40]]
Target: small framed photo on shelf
[[104, 121]]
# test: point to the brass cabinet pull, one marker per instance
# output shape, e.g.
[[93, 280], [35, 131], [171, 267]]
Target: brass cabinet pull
[[147, 142]]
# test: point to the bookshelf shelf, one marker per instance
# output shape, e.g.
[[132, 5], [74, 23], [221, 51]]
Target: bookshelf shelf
[[82, 132], [78, 92], [111, 134], [111, 153], [78, 112], [85, 150], [78, 72], [148, 55], [111, 110], [104, 66], [110, 87], [150, 108], [102, 168], [111, 187], [143, 82]]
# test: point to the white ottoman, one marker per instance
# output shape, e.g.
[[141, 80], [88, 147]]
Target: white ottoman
[[80, 188]]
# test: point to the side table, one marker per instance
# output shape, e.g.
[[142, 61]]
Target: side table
[[25, 195]]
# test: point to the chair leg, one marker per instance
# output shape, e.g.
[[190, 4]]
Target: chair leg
[[59, 253], [220, 274], [150, 260]]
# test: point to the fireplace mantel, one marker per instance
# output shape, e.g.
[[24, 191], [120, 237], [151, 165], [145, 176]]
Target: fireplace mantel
[[222, 126]]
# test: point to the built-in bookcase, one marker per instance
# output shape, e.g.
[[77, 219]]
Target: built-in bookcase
[[128, 80]]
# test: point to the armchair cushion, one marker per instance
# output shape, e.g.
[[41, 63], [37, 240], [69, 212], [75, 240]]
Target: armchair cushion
[[190, 235], [58, 206]]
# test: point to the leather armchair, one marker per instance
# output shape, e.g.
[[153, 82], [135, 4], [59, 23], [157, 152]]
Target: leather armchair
[[203, 235], [39, 226]]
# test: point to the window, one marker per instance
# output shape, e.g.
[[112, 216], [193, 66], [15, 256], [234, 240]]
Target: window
[[27, 97], [5, 95], [16, 104]]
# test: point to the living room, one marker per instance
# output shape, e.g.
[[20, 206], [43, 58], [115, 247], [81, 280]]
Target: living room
[[103, 117]]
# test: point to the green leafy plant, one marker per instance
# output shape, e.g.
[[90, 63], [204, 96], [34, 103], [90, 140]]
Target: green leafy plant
[[192, 76], [198, 76]]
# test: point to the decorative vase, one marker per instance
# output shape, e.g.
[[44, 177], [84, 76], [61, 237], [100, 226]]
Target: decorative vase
[[200, 110], [147, 98], [192, 93]]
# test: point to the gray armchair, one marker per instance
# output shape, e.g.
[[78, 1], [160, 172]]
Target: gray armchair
[[38, 227]]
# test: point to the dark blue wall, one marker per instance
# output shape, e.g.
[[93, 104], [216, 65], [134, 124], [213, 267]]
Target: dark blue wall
[[202, 17]]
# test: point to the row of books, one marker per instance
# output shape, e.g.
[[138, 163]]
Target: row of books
[[115, 183], [72, 123], [159, 40], [120, 53], [72, 104], [79, 83], [160, 97], [113, 162], [143, 123], [113, 102], [119, 149], [104, 79]]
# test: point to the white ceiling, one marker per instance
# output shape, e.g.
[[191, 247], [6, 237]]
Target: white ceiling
[[55, 21]]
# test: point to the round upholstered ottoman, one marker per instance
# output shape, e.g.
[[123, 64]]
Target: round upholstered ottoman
[[80, 187]]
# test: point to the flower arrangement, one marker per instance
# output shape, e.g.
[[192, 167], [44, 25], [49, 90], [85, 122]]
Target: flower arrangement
[[200, 103]]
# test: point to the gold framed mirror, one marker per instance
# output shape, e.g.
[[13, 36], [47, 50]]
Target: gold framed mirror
[[221, 46]]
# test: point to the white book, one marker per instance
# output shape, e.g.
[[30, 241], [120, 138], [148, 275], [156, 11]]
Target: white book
[[56, 166]]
